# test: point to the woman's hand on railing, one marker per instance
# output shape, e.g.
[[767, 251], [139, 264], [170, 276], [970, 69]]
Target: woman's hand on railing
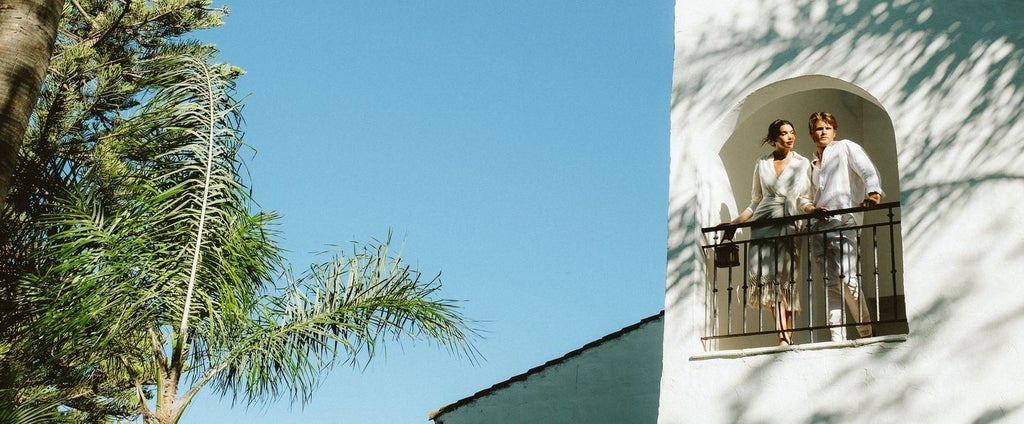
[[817, 211], [728, 234]]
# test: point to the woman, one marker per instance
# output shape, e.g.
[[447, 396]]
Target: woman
[[781, 187]]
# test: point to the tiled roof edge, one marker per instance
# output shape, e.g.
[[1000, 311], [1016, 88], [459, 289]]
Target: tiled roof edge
[[534, 370]]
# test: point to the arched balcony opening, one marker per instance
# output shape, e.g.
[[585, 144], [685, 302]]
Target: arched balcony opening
[[729, 322]]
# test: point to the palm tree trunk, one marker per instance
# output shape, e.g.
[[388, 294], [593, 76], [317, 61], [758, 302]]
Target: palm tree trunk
[[28, 29], [168, 410]]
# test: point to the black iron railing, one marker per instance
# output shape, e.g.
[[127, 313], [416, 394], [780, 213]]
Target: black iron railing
[[731, 323]]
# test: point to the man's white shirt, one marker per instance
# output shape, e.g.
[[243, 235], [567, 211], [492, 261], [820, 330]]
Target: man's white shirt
[[846, 178]]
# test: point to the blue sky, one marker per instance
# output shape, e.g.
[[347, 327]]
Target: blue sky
[[519, 148]]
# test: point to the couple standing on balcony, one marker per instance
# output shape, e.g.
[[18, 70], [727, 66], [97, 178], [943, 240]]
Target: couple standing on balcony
[[785, 184]]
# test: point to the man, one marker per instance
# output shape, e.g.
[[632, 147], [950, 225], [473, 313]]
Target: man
[[842, 176]]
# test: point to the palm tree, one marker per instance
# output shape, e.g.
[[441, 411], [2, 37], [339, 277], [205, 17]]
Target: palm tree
[[28, 29], [135, 269], [165, 271]]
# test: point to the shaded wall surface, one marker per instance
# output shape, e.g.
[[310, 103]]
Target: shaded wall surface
[[947, 78], [612, 380]]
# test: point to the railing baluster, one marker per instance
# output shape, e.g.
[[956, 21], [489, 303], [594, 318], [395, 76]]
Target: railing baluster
[[758, 286], [859, 273], [711, 315], [892, 266], [824, 278], [791, 303], [810, 280], [878, 292], [746, 288], [728, 305]]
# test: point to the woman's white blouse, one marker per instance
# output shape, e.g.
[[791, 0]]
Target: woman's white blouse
[[791, 188]]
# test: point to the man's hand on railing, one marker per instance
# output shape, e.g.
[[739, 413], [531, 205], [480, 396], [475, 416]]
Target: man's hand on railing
[[872, 199]]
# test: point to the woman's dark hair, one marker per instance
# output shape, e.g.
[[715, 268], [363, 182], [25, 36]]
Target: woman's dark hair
[[774, 129]]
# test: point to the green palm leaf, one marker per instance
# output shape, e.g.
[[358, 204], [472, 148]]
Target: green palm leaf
[[344, 309]]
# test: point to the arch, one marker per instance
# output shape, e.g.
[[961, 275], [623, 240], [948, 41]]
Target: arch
[[861, 118]]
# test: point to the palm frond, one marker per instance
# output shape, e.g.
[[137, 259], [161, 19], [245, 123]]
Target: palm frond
[[32, 410], [344, 309]]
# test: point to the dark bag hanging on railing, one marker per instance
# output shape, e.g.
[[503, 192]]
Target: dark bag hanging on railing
[[727, 256]]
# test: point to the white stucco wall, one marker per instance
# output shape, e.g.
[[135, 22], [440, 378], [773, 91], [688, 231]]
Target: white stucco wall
[[948, 75], [613, 382]]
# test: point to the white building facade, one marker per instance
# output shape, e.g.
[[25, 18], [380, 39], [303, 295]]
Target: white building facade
[[933, 90]]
